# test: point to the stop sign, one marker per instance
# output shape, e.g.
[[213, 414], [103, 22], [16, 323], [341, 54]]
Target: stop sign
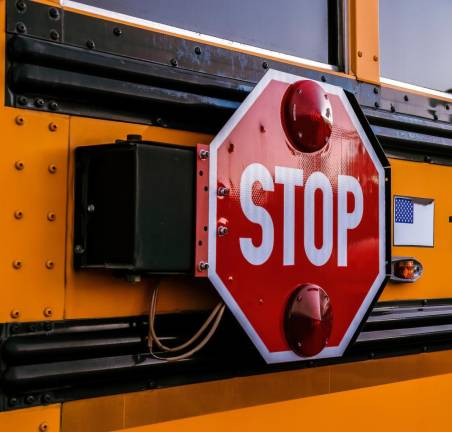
[[297, 218]]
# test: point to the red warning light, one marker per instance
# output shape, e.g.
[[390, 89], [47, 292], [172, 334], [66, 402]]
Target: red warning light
[[307, 116], [308, 320]]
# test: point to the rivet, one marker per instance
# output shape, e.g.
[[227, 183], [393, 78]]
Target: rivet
[[46, 397], [174, 62], [435, 116], [18, 214], [117, 31], [447, 107], [13, 401], [360, 53], [39, 102], [377, 105], [43, 427], [198, 50], [20, 27], [17, 264], [29, 399], [231, 147], [262, 129], [78, 249], [21, 6], [376, 90], [261, 301], [54, 13], [405, 98], [375, 58], [90, 44], [265, 65], [52, 168], [51, 216], [230, 278], [48, 312], [50, 264], [22, 100], [19, 165], [20, 120], [91, 208], [392, 108], [53, 127], [202, 266], [54, 35], [203, 154], [15, 314], [53, 106], [323, 78]]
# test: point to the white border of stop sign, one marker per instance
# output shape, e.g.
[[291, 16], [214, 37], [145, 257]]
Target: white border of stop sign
[[287, 356]]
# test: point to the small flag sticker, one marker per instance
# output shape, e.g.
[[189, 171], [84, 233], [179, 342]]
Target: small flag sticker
[[404, 210]]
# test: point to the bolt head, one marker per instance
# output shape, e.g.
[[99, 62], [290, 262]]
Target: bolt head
[[54, 35], [47, 312], [117, 31], [52, 169], [90, 44], [51, 216], [14, 314], [78, 249], [29, 399], [39, 102], [21, 27], [174, 62], [198, 50], [53, 127], [19, 165], [21, 6], [50, 264], [17, 264], [203, 154], [203, 266], [54, 13], [222, 230], [20, 120], [91, 208], [223, 191]]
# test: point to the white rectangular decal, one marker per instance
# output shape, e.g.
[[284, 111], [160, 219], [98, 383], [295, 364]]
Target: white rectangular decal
[[413, 221]]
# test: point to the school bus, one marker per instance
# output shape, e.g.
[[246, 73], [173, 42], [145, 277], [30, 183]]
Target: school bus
[[75, 352]]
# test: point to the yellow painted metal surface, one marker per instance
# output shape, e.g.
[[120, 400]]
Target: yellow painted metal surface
[[165, 405], [364, 41], [39, 419], [425, 181], [33, 174], [415, 405]]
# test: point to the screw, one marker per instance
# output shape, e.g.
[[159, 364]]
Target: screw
[[21, 6], [20, 120], [91, 208], [13, 401], [54, 13], [18, 214], [265, 65], [53, 106], [50, 265], [360, 53], [29, 399], [19, 165], [21, 28], [117, 31], [52, 168], [222, 230], [22, 100], [197, 50], [53, 127], [375, 58], [78, 249], [202, 266], [48, 312], [223, 191], [90, 44], [54, 35], [51, 216], [15, 314], [203, 154], [39, 102]]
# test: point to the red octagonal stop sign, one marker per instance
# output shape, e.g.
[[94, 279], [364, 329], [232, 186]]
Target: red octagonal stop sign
[[297, 218]]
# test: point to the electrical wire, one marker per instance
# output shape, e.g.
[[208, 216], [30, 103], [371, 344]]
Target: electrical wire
[[214, 316]]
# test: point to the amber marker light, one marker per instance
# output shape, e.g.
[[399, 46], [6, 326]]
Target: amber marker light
[[406, 269]]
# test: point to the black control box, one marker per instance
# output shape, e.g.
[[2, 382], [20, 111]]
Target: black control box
[[135, 207]]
